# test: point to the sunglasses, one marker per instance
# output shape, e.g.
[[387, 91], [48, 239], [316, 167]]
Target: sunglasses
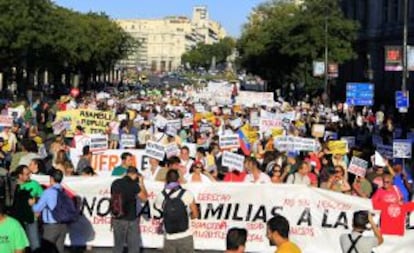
[[198, 167], [275, 171], [387, 182]]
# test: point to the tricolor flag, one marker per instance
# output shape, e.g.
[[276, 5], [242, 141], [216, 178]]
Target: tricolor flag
[[244, 142]]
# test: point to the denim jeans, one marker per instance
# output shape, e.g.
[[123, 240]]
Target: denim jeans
[[32, 231]]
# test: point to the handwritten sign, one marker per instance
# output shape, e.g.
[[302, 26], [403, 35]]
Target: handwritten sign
[[172, 150], [269, 124], [6, 121], [358, 166]]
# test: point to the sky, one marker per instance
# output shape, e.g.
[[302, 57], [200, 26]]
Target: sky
[[231, 14]]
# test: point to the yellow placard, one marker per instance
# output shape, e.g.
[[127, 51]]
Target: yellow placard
[[338, 147], [277, 132]]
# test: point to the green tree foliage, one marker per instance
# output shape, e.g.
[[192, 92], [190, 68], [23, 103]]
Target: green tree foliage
[[281, 40], [202, 54], [37, 34]]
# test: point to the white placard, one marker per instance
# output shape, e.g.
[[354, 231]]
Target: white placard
[[6, 121], [268, 124], [254, 118], [402, 149], [199, 108], [96, 142], [229, 141], [172, 149], [175, 123], [58, 127], [250, 98], [155, 150], [386, 151], [290, 143], [187, 120], [236, 123], [318, 130], [16, 112], [358, 166], [233, 161], [128, 141]]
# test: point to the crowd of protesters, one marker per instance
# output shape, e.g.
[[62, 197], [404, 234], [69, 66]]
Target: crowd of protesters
[[31, 146]]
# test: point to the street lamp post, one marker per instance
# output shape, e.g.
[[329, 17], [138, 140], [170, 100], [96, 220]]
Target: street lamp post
[[405, 70], [326, 57]]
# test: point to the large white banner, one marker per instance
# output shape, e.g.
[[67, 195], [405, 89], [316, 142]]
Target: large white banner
[[316, 222], [250, 98]]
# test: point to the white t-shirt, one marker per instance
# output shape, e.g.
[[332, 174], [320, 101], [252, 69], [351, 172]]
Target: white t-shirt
[[263, 178], [187, 198], [148, 175], [364, 245], [204, 179], [297, 178]]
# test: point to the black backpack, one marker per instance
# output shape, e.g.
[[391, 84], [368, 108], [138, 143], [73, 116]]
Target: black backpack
[[175, 212], [65, 210]]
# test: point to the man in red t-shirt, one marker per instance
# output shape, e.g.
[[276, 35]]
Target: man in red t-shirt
[[393, 212]]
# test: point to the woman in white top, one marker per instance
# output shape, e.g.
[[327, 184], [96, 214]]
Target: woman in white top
[[198, 175]]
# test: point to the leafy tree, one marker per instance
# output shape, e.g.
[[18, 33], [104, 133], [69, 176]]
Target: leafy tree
[[202, 54], [281, 40]]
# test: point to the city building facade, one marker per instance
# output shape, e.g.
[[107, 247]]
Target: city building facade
[[162, 42]]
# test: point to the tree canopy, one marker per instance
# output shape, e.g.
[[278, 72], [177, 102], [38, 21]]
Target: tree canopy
[[281, 40], [202, 54], [37, 34]]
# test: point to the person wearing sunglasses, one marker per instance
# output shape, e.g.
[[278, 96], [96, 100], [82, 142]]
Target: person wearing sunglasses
[[198, 174], [277, 175], [337, 181], [388, 193]]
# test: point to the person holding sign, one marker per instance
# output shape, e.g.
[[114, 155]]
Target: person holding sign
[[337, 181]]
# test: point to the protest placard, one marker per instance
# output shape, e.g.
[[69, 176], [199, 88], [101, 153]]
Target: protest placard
[[233, 161], [269, 124], [96, 142], [16, 112], [250, 98], [236, 123], [329, 135], [155, 150], [338, 147], [187, 120], [350, 140], [205, 128], [128, 141], [402, 149], [292, 143], [358, 166], [254, 118], [318, 130], [172, 149], [58, 127], [176, 123], [6, 121], [199, 107], [94, 121], [229, 141], [385, 150]]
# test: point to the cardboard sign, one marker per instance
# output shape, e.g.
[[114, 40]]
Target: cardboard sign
[[254, 118], [402, 149], [58, 127], [172, 150], [292, 143], [160, 121], [338, 147], [155, 150], [199, 107], [329, 135], [358, 166], [233, 161], [386, 151], [96, 142], [176, 123], [6, 121], [128, 141], [318, 130], [205, 128], [229, 141], [268, 124], [16, 112], [187, 120], [350, 140], [236, 123]]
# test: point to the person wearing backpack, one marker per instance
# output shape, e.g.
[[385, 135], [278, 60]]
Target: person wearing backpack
[[127, 193], [356, 242], [57, 210], [177, 205]]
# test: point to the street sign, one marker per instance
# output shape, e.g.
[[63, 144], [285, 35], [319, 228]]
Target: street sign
[[402, 101], [361, 94]]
